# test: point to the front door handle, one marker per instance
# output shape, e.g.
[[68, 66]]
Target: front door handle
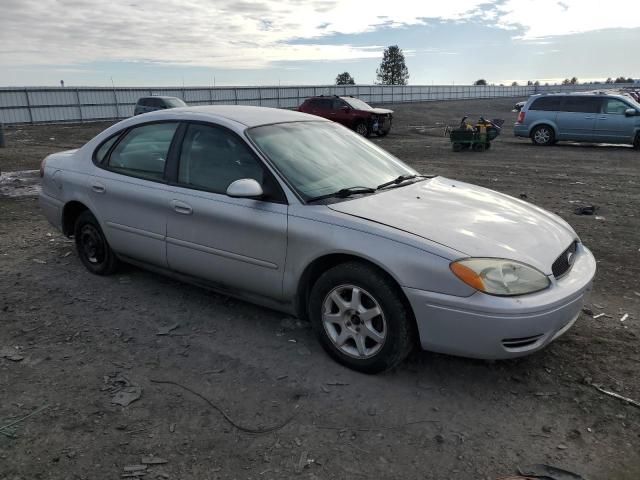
[[98, 188], [588, 118], [181, 207]]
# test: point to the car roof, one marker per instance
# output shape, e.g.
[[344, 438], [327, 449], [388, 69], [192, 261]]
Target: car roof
[[158, 96], [246, 115]]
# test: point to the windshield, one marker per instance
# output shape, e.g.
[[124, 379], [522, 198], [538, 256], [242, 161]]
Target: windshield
[[175, 102], [320, 158], [357, 103]]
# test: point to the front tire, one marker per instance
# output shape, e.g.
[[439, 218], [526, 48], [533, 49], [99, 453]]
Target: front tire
[[362, 129], [360, 318], [93, 249], [543, 135], [636, 142]]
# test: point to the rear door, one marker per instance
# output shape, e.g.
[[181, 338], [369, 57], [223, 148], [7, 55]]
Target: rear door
[[237, 243], [577, 118], [612, 125], [129, 192]]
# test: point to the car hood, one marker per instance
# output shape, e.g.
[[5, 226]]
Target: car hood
[[475, 221], [380, 111]]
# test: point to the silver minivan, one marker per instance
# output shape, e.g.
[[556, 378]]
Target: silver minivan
[[601, 118]]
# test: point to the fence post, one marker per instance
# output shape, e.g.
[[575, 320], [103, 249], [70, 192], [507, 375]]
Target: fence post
[[115, 100], [235, 95], [26, 95], [79, 105]]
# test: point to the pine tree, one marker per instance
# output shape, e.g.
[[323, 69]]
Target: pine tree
[[393, 70]]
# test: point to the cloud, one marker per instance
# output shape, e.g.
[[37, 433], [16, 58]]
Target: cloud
[[546, 18], [222, 33], [228, 34]]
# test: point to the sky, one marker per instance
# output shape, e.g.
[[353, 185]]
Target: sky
[[289, 42]]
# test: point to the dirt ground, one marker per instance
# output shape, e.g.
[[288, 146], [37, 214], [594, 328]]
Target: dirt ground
[[72, 341]]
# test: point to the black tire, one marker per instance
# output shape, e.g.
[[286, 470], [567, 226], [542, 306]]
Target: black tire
[[382, 133], [394, 323], [457, 147], [93, 249], [543, 135], [636, 142], [479, 147], [362, 128], [487, 146]]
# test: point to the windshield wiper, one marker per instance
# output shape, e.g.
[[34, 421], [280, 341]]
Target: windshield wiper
[[400, 179], [344, 193]]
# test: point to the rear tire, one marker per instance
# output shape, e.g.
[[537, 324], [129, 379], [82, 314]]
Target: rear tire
[[543, 135], [93, 249], [478, 147], [360, 318], [636, 142], [457, 147]]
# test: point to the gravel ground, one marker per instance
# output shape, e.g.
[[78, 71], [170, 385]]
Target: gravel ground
[[72, 343]]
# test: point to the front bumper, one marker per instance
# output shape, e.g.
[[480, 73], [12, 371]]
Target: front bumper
[[490, 327]]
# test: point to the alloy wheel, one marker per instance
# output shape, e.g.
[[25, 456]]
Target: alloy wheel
[[354, 321], [542, 136]]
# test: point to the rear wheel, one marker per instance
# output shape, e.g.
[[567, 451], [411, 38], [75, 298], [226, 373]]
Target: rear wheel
[[478, 147], [360, 318], [543, 135], [636, 142], [457, 147], [362, 129], [92, 246]]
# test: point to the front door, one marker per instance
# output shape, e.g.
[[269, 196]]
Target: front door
[[238, 243], [613, 125]]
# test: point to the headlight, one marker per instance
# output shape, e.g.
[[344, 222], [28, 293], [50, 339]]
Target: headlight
[[497, 276]]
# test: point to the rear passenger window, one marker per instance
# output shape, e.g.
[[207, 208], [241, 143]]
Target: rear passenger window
[[615, 107], [143, 151], [581, 104], [212, 158], [549, 104]]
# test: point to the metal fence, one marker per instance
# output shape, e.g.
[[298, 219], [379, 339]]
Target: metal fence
[[83, 104]]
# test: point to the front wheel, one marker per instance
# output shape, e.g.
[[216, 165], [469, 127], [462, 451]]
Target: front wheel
[[362, 129], [543, 135], [92, 246], [360, 318], [636, 142]]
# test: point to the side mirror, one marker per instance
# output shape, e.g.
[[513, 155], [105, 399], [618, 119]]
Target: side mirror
[[630, 112], [245, 188], [344, 108]]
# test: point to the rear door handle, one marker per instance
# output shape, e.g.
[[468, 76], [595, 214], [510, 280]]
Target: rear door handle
[[98, 188], [181, 207], [588, 118], [603, 118]]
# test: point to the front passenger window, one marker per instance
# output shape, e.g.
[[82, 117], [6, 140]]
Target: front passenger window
[[212, 158], [615, 107]]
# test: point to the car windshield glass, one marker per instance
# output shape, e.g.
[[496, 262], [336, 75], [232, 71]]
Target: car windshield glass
[[320, 158], [175, 102], [357, 103]]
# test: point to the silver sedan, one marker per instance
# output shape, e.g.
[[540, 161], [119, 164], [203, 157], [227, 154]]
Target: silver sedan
[[302, 215]]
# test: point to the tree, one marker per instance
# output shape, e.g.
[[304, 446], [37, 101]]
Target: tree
[[514, 84], [393, 70], [537, 83], [573, 81], [480, 81], [623, 80], [345, 79], [529, 83], [609, 80]]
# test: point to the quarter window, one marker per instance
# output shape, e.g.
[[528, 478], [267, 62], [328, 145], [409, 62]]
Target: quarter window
[[101, 153], [614, 106], [212, 158], [143, 151]]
